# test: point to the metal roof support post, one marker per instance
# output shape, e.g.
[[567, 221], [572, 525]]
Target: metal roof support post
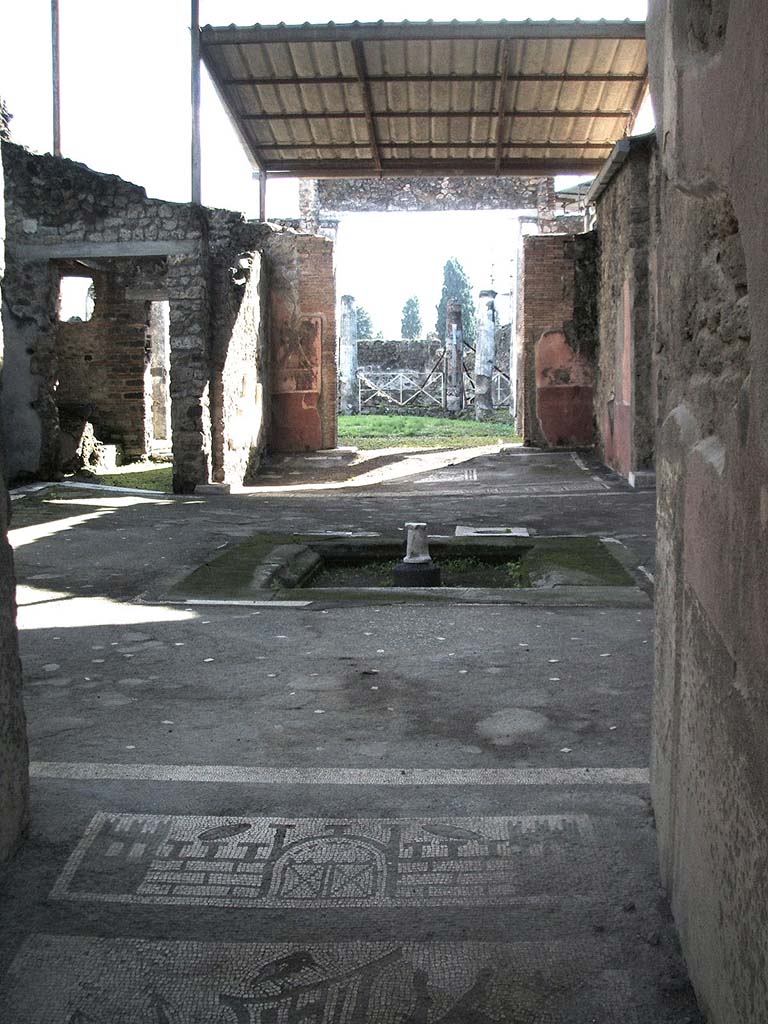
[[56, 73], [197, 196], [262, 195]]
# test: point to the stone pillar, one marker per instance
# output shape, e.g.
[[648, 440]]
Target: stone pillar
[[309, 206], [484, 356], [454, 352], [546, 206], [14, 771], [160, 368], [190, 372], [348, 391]]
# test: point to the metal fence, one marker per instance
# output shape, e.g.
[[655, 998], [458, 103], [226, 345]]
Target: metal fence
[[500, 389], [404, 388], [399, 387]]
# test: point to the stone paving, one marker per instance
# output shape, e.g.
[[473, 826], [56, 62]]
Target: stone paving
[[343, 813]]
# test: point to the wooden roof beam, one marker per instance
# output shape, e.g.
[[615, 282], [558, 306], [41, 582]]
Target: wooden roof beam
[[433, 168], [276, 146], [342, 115], [501, 103], [606, 79], [362, 77]]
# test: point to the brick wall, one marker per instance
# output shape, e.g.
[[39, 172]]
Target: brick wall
[[318, 298], [51, 201], [57, 207], [625, 387], [103, 365], [302, 342], [549, 296]]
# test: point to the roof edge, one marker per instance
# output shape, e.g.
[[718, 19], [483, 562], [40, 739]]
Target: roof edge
[[615, 161], [212, 35]]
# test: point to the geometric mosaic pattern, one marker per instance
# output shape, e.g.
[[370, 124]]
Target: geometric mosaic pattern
[[318, 862], [57, 979]]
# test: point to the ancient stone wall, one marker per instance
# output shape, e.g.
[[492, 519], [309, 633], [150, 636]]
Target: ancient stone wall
[[61, 212], [14, 779], [624, 395], [709, 288], [302, 331], [318, 292], [387, 194], [103, 364], [239, 383], [30, 415], [398, 354], [56, 209], [160, 368], [557, 357]]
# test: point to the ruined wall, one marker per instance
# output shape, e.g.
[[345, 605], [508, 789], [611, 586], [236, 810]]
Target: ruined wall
[[302, 331], [14, 780], [160, 368], [624, 393], [62, 211], [54, 204], [358, 195], [398, 354], [709, 767], [239, 379], [103, 364], [30, 415], [557, 347]]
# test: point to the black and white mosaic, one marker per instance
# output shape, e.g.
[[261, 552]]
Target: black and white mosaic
[[308, 863], [84, 980]]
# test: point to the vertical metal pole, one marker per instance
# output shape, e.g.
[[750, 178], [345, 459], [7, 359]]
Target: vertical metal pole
[[262, 195], [56, 71], [197, 195]]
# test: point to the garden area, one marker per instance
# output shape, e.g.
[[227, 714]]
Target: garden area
[[370, 432]]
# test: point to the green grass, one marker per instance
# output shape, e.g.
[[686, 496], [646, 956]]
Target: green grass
[[143, 476], [371, 432]]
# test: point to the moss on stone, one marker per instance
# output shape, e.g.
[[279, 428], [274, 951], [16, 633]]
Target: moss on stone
[[579, 561]]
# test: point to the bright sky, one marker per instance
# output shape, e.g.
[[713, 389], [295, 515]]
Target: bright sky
[[125, 110]]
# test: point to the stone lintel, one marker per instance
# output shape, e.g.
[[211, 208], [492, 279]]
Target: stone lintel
[[64, 250]]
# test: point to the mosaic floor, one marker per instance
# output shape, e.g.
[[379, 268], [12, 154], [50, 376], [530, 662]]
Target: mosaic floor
[[123, 981], [132, 858]]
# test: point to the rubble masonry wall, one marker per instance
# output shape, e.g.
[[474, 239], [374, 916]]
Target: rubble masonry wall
[[709, 769], [49, 202], [220, 341], [625, 384], [14, 779], [102, 364], [555, 393]]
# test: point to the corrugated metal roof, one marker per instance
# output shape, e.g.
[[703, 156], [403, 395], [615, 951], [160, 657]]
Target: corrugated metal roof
[[365, 100]]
